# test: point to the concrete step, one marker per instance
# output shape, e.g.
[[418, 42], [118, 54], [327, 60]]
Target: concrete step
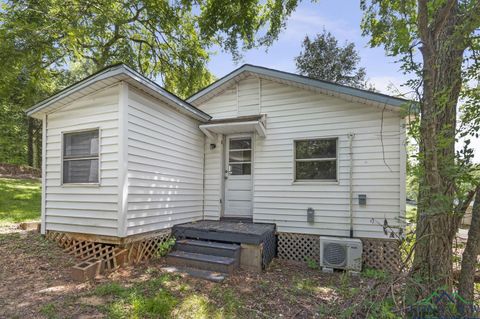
[[221, 264], [197, 273], [209, 248]]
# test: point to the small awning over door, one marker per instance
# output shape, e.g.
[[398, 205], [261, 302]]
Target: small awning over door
[[241, 124]]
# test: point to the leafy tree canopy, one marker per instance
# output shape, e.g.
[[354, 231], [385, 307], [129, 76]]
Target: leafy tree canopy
[[324, 59], [167, 39], [48, 44], [438, 45]]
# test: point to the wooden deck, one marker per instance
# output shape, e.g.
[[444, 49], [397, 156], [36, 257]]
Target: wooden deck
[[225, 231]]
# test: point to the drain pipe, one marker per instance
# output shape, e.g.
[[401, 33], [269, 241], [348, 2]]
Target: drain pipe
[[350, 208]]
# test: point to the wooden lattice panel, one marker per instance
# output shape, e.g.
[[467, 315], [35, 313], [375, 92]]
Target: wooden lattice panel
[[148, 248], [298, 247], [85, 250], [382, 254]]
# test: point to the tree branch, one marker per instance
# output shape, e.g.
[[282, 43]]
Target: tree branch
[[443, 15], [463, 205], [470, 19], [423, 19]]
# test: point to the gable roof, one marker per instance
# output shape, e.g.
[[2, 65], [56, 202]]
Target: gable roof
[[331, 88], [107, 77]]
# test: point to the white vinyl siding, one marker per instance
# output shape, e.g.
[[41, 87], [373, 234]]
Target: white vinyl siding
[[248, 96], [214, 174], [78, 208], [165, 166], [240, 99], [297, 114]]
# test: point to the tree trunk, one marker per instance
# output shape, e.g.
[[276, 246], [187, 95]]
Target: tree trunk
[[37, 162], [437, 223], [470, 255], [31, 129]]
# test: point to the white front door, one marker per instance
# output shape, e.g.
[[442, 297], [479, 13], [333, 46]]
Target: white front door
[[238, 176]]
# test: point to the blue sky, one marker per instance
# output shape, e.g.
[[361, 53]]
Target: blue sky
[[342, 19]]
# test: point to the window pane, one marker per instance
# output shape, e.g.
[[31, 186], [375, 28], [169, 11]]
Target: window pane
[[241, 143], [240, 169], [81, 144], [324, 148], [81, 171], [240, 156], [316, 170]]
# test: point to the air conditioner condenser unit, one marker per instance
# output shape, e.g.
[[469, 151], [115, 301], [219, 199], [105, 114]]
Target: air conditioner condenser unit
[[341, 253]]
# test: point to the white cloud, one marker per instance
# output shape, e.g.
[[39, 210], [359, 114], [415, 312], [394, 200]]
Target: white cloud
[[303, 22]]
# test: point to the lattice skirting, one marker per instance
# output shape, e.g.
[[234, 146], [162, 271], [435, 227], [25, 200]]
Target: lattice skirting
[[298, 247], [143, 250], [381, 254], [112, 256], [269, 249]]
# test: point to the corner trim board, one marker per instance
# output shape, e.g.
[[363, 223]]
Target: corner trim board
[[123, 159], [44, 174], [403, 167]]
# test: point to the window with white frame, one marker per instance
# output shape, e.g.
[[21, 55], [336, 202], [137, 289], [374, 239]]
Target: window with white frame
[[316, 159], [80, 157]]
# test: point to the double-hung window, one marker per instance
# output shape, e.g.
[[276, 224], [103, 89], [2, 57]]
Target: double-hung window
[[316, 159], [80, 157]]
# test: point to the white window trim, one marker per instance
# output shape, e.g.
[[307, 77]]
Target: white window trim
[[62, 141], [315, 181]]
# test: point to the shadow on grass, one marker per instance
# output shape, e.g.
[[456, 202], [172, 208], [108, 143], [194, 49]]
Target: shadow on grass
[[164, 296], [20, 200]]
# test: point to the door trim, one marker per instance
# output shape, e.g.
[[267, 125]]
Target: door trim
[[225, 150]]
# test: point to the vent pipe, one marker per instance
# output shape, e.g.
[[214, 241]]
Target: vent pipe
[[350, 206]]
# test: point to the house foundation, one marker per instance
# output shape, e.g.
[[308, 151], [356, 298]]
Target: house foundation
[[110, 255], [382, 254]]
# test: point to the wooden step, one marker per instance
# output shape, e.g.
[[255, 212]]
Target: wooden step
[[209, 248], [231, 232], [221, 264]]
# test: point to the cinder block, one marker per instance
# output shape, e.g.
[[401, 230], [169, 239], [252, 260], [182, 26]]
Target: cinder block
[[30, 226], [86, 270]]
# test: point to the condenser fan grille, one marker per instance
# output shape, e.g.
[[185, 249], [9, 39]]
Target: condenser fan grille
[[335, 254]]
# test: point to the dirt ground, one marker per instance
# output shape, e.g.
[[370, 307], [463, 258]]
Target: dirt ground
[[35, 283]]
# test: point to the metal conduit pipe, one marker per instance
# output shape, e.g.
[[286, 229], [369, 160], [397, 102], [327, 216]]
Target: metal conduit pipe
[[350, 207]]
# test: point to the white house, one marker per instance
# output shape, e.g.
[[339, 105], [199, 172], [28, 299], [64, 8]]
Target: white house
[[122, 156]]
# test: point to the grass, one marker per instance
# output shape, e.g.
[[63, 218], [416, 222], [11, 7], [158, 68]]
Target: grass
[[287, 290], [48, 310], [20, 200], [150, 299], [164, 296]]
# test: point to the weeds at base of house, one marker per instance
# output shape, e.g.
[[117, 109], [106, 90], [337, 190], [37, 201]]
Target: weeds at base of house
[[165, 247], [145, 291], [285, 289]]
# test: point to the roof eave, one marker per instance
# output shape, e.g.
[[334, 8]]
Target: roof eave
[[328, 86], [106, 73], [113, 71]]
